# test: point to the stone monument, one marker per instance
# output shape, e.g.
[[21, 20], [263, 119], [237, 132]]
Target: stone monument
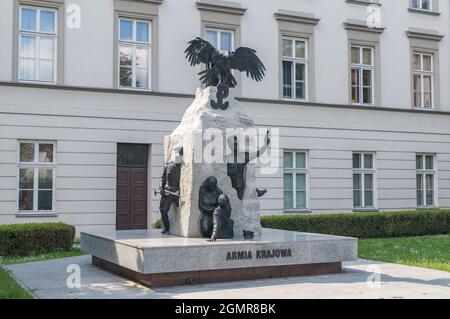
[[214, 197], [216, 110]]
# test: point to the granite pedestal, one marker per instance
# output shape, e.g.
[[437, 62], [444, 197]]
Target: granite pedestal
[[157, 260]]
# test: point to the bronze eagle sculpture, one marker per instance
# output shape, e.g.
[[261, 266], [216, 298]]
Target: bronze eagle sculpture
[[219, 66]]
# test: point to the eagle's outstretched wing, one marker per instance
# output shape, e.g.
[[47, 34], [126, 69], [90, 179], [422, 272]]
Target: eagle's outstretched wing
[[200, 51], [245, 60]]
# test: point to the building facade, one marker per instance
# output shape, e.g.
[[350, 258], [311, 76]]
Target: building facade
[[358, 89]]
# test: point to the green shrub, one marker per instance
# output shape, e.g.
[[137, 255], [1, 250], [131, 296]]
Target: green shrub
[[366, 225], [29, 239], [158, 224]]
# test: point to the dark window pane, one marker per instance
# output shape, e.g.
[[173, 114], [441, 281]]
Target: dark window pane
[[368, 198], [288, 160], [367, 56], [287, 48], [45, 178], [419, 162], [26, 152], [368, 181], [126, 76], [288, 200], [300, 182], [367, 78], [46, 153], [288, 182], [429, 163], [419, 182], [26, 200], [367, 95], [356, 55], [419, 198], [368, 160], [300, 160], [287, 79], [355, 77], [301, 199], [45, 199], [26, 178], [357, 183], [132, 154], [356, 160], [430, 198], [357, 199]]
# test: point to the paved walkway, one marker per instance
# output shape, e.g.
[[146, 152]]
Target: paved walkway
[[47, 279]]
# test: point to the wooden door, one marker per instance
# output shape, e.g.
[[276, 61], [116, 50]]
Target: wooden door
[[132, 176]]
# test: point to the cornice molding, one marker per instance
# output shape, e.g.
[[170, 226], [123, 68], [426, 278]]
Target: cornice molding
[[362, 27], [149, 1], [221, 6], [424, 35], [297, 17]]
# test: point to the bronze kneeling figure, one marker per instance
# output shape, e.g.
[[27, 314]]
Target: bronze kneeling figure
[[223, 224]]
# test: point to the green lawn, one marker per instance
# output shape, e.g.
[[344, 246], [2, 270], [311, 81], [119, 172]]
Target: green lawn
[[9, 288], [59, 254], [427, 251]]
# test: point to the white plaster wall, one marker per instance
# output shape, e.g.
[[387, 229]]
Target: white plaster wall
[[89, 51], [6, 39], [88, 125]]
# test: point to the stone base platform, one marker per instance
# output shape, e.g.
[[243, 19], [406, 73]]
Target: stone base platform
[[157, 260]]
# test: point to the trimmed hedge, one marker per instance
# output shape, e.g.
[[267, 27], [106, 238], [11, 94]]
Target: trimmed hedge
[[28, 239], [366, 225]]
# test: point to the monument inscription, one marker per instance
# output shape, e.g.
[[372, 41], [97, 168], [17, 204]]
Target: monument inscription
[[259, 254]]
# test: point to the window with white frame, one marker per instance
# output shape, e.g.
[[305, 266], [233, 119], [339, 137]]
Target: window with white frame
[[425, 179], [422, 4], [36, 176], [362, 75], [222, 40], [134, 53], [423, 80], [295, 68], [295, 180], [37, 44], [363, 180]]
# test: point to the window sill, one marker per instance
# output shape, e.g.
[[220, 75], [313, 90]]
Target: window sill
[[295, 100], [427, 208], [35, 215], [363, 105], [37, 82], [364, 2], [134, 89], [365, 210], [426, 12], [297, 211], [423, 109]]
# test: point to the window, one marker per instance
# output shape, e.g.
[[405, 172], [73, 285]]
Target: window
[[36, 176], [37, 44], [425, 173], [423, 80], [363, 180], [362, 75], [422, 4], [295, 180], [222, 40], [295, 68], [134, 53]]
